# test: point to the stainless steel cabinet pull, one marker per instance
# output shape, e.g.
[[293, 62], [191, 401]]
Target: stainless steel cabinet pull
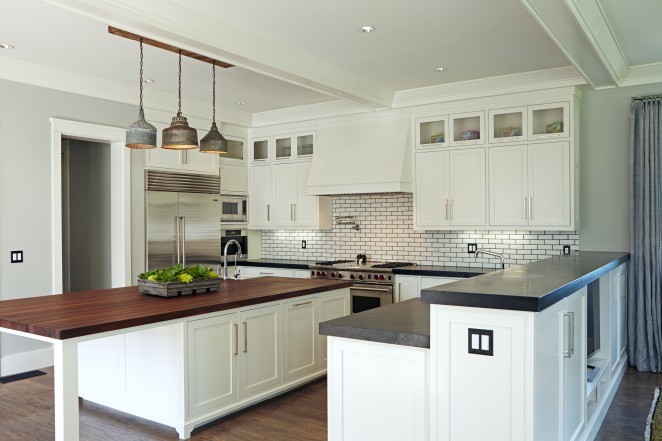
[[268, 274], [446, 209], [373, 289], [303, 303], [184, 157], [183, 240], [245, 337], [526, 213], [236, 339], [292, 212], [399, 294], [530, 207], [268, 212], [570, 351], [177, 239]]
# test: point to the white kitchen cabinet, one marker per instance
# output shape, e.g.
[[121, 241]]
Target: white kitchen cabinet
[[293, 146], [212, 362], [462, 123], [267, 271], [234, 178], [409, 287], [530, 185], [300, 344], [260, 342], [573, 371], [331, 306], [191, 161], [542, 116], [619, 283], [432, 131], [449, 188], [259, 197], [507, 125], [259, 150]]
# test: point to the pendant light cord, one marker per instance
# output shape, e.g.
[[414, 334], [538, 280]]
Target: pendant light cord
[[179, 111], [141, 73], [213, 93]]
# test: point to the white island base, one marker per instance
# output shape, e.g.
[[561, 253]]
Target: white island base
[[532, 387]]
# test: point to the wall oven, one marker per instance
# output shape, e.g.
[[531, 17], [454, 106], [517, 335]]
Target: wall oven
[[238, 235], [234, 209], [364, 296]]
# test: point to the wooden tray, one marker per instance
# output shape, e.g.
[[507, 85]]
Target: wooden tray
[[174, 289]]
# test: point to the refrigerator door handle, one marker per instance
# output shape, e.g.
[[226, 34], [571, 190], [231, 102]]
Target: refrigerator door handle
[[183, 224], [177, 238]]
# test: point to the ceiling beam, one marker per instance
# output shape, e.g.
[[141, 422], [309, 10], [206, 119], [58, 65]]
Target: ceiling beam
[[181, 27]]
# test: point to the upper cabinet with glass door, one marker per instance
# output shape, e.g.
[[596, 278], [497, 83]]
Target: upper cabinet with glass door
[[259, 150], [236, 150], [432, 132], [467, 128], [507, 125], [549, 121], [294, 146]]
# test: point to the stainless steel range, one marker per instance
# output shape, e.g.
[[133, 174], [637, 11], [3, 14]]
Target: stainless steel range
[[373, 281]]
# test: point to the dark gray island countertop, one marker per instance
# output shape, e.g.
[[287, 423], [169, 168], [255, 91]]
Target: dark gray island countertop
[[531, 287]]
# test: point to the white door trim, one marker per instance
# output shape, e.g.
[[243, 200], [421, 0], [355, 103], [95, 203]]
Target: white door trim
[[120, 196]]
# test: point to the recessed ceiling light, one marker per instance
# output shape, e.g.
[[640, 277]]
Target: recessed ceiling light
[[439, 69], [241, 103], [367, 29], [339, 93], [6, 46], [148, 81]]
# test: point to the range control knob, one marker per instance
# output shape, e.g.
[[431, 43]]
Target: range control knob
[[379, 276], [341, 275], [319, 273], [352, 276], [360, 276], [333, 274], [323, 273]]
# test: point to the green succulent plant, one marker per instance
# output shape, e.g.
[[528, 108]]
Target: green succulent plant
[[179, 273]]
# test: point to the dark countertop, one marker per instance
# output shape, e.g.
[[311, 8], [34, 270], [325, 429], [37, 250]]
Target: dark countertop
[[531, 287], [441, 271], [76, 314], [277, 263], [406, 323]]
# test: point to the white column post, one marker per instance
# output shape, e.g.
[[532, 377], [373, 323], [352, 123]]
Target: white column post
[[65, 357]]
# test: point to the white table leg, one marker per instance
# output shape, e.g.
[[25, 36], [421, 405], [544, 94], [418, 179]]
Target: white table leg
[[65, 354]]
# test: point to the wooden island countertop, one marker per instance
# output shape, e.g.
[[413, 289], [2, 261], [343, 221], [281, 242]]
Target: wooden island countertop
[[65, 316]]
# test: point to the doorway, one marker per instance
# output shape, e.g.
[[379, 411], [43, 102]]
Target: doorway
[[86, 261]]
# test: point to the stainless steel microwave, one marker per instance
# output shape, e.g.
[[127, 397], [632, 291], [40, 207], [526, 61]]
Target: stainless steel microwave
[[234, 208]]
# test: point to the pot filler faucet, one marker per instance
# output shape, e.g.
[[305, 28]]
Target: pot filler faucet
[[225, 259], [491, 253]]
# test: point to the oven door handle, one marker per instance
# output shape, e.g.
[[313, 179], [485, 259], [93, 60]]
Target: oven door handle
[[372, 289]]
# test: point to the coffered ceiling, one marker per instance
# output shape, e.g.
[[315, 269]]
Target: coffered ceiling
[[302, 53]]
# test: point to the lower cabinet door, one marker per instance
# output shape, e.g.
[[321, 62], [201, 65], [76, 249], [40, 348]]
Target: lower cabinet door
[[299, 339], [407, 287], [330, 307], [573, 382], [259, 349], [212, 362]]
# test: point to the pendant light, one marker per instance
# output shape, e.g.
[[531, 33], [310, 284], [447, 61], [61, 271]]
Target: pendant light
[[213, 142], [179, 135], [141, 134]]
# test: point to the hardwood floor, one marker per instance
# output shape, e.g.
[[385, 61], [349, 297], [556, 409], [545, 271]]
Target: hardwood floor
[[626, 418], [26, 414]]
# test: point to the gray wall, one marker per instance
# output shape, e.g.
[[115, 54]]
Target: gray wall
[[605, 126]]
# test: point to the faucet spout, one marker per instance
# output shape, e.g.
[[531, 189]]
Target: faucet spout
[[225, 258], [492, 253]]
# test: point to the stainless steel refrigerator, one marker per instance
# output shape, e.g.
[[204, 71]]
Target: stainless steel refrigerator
[[182, 219]]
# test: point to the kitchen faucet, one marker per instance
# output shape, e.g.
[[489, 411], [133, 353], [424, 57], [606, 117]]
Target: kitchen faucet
[[225, 259], [491, 253]]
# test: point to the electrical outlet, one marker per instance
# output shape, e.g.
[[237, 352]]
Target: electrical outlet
[[472, 248], [566, 249], [303, 244], [16, 256]]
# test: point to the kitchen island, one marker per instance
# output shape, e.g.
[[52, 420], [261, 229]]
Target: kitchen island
[[179, 361], [507, 357]]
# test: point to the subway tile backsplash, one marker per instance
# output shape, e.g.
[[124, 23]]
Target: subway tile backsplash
[[386, 233]]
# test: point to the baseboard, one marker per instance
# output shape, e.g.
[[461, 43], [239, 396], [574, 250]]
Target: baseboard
[[26, 361], [593, 426]]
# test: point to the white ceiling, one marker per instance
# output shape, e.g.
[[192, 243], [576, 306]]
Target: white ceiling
[[292, 53]]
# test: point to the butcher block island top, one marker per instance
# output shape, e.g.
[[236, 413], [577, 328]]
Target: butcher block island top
[[64, 316]]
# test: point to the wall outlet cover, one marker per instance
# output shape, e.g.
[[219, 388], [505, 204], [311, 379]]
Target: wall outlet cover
[[481, 341], [566, 249], [472, 248], [16, 256], [303, 244]]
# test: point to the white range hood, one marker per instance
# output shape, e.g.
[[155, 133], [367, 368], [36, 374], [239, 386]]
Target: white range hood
[[365, 156]]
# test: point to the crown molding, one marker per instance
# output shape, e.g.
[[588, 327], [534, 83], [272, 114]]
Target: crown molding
[[172, 24], [643, 74], [66, 81]]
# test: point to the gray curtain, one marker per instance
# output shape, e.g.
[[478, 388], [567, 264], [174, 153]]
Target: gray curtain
[[645, 275]]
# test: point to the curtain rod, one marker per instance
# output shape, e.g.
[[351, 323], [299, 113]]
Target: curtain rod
[[645, 97]]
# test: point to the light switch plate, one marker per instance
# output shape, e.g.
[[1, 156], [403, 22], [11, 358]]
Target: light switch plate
[[481, 341], [303, 244], [16, 256], [566, 249]]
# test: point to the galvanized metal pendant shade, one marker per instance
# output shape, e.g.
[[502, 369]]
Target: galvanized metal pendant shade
[[179, 136], [214, 142], [141, 134]]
